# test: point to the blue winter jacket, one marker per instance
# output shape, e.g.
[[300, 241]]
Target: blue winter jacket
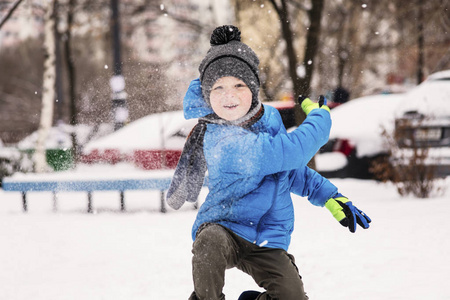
[[252, 173]]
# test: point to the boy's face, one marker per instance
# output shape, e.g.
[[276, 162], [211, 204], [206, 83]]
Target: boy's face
[[230, 98]]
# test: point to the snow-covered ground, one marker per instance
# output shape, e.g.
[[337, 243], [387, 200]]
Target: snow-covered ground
[[144, 254]]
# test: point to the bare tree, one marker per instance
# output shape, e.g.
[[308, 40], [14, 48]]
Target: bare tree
[[71, 75], [48, 91], [288, 12]]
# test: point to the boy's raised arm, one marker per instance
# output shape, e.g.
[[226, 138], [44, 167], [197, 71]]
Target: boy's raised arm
[[252, 154]]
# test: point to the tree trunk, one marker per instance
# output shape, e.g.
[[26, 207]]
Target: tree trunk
[[48, 90], [288, 37], [301, 86], [420, 42], [72, 80], [312, 45]]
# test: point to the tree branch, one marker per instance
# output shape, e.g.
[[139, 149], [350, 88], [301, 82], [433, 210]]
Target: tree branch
[[9, 13]]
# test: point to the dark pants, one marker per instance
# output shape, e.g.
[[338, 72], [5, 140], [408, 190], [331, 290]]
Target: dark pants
[[216, 249]]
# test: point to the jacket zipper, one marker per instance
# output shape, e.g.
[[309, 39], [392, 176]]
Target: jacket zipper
[[258, 228]]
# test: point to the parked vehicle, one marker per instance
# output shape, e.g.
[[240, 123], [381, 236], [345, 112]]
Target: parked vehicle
[[356, 136], [423, 121], [152, 142]]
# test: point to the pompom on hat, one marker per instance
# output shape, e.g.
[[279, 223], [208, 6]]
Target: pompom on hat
[[228, 56]]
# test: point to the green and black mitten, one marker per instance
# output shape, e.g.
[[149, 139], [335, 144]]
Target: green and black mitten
[[345, 213]]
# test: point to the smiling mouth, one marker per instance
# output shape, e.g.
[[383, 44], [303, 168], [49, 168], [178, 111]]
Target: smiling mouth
[[231, 106]]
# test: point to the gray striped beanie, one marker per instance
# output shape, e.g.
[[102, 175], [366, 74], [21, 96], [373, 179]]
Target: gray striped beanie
[[228, 56]]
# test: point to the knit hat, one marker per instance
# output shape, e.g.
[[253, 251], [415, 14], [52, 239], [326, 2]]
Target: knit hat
[[228, 56]]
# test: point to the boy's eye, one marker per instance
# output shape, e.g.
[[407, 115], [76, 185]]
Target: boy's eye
[[217, 88], [239, 85]]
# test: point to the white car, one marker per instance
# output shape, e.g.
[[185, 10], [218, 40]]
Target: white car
[[423, 121], [356, 136], [422, 113]]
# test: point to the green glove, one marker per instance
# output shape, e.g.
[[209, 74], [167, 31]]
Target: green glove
[[345, 213], [308, 105]]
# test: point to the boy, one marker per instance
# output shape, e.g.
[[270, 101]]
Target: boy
[[253, 165]]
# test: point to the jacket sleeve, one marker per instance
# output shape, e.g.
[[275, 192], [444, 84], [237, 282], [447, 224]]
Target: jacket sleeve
[[306, 182], [251, 154]]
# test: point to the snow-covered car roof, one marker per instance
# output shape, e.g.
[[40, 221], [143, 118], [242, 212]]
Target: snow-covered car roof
[[442, 75], [430, 98], [362, 120], [166, 130]]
